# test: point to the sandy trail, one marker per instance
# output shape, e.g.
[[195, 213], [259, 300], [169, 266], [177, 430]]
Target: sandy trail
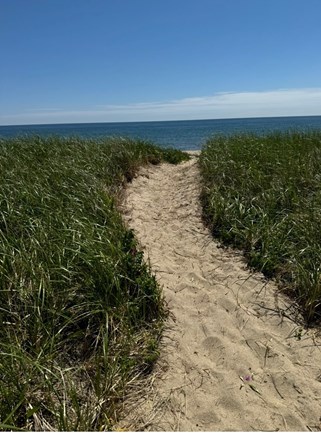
[[231, 359]]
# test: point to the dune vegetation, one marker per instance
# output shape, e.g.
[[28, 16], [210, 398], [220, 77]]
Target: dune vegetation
[[80, 311], [262, 194]]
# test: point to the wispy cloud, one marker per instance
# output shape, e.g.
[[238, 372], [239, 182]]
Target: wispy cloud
[[46, 109], [281, 102]]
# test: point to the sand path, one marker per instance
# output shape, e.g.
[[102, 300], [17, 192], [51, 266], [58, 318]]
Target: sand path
[[231, 359]]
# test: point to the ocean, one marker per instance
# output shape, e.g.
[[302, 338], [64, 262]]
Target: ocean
[[186, 135]]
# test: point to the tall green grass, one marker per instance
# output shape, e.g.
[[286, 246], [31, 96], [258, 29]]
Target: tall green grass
[[263, 195], [80, 311]]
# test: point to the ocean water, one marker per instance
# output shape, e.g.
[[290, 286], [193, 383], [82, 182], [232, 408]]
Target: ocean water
[[186, 135]]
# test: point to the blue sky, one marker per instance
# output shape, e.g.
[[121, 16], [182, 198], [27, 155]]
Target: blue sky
[[143, 60]]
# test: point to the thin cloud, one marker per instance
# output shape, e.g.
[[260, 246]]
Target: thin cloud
[[46, 109], [281, 102]]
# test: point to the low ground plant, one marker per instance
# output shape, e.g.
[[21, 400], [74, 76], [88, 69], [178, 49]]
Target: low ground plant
[[80, 311], [262, 194]]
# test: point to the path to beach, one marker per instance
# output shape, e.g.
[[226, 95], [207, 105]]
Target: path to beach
[[231, 358]]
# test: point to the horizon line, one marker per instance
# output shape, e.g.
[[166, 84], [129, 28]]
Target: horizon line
[[160, 121], [220, 105]]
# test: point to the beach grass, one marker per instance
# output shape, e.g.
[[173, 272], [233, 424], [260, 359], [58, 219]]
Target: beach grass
[[262, 194], [81, 313]]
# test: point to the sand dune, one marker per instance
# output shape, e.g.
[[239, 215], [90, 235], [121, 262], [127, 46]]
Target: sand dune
[[233, 358]]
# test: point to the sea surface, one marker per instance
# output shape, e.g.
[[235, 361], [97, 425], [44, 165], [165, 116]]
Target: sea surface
[[186, 135]]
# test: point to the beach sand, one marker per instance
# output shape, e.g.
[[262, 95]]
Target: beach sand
[[232, 357]]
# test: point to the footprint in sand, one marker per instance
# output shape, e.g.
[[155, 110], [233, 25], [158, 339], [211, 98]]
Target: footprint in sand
[[214, 348]]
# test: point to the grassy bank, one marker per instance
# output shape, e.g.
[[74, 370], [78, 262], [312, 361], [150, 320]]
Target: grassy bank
[[263, 195], [80, 311]]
